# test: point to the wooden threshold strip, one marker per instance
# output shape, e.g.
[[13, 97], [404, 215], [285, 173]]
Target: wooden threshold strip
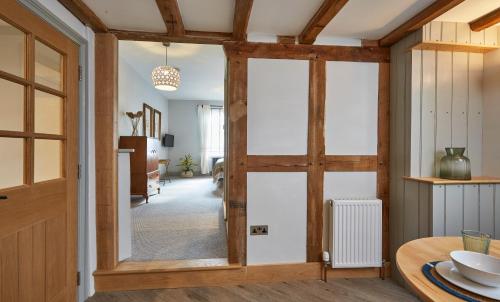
[[131, 267], [114, 280], [348, 163], [277, 163]]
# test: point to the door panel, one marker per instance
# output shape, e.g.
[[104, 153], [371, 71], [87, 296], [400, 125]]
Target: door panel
[[38, 145]]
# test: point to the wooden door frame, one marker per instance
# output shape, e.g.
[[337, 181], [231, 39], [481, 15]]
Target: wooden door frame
[[238, 162]]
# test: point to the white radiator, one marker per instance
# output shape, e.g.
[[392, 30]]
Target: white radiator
[[356, 233]]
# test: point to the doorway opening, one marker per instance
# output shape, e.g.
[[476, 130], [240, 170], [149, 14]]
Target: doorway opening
[[171, 160]]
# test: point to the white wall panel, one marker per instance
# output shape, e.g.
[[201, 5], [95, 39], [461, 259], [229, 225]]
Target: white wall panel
[[416, 113], [448, 31], [346, 185], [428, 113], [486, 209], [278, 94], [460, 99], [443, 104], [491, 112], [450, 97], [278, 200], [454, 210], [438, 210], [351, 108], [497, 211], [471, 207], [463, 33], [477, 37], [475, 113]]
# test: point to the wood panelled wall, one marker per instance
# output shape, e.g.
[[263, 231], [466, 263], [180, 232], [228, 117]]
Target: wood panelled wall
[[315, 163], [446, 210], [436, 102]]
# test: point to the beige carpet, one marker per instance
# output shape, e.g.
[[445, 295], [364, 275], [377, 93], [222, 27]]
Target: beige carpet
[[186, 221]]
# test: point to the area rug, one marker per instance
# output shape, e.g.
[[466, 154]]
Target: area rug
[[185, 221]]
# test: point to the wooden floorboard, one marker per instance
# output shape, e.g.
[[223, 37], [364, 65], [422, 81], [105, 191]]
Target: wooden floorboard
[[345, 290]]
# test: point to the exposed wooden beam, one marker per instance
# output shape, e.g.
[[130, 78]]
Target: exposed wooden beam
[[306, 52], [242, 10], [277, 163], [369, 43], [350, 163], [315, 159], [428, 14], [85, 15], [106, 114], [328, 10], [486, 21], [198, 37], [286, 39], [171, 15]]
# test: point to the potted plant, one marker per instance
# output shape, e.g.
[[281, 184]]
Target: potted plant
[[187, 165]]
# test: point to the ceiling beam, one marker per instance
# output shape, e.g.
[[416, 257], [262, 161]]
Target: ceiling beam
[[328, 10], [171, 15], [431, 12], [242, 11], [190, 36], [306, 52], [85, 15], [486, 21]]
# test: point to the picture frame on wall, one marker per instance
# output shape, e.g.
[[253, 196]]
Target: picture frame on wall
[[147, 121], [157, 124]]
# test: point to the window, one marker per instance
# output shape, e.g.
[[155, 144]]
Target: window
[[216, 145]]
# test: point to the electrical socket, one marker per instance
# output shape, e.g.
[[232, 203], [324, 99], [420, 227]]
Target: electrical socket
[[259, 230]]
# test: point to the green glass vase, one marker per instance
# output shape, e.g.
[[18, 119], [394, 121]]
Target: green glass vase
[[455, 165]]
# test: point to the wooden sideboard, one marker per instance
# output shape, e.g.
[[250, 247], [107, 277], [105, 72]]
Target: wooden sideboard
[[144, 164]]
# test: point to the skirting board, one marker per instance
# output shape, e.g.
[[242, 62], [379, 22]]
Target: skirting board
[[219, 276]]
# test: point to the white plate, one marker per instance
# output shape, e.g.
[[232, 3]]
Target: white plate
[[447, 270]]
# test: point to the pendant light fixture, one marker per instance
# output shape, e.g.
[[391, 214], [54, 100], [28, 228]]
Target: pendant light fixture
[[166, 77]]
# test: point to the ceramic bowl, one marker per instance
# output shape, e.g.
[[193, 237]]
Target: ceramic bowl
[[480, 268]]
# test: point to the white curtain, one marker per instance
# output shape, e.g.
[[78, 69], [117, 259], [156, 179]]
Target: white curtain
[[204, 119]]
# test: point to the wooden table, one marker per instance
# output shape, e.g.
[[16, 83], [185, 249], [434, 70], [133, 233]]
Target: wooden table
[[414, 254]]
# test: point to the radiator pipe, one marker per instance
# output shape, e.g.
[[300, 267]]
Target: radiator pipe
[[326, 254]]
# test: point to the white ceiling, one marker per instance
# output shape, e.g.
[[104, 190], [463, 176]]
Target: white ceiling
[[281, 17], [141, 15], [359, 19], [364, 19], [469, 10], [212, 15], [201, 67]]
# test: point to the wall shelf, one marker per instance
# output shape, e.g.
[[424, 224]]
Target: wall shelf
[[442, 181], [455, 47]]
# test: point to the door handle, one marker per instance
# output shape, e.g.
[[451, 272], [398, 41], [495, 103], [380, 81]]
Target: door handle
[[3, 197]]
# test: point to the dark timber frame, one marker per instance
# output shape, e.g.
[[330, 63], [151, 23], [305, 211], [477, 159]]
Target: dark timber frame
[[315, 163]]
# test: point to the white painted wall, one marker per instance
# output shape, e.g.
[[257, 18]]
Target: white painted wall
[[278, 96], [183, 124], [351, 115], [491, 120], [279, 200], [133, 91]]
